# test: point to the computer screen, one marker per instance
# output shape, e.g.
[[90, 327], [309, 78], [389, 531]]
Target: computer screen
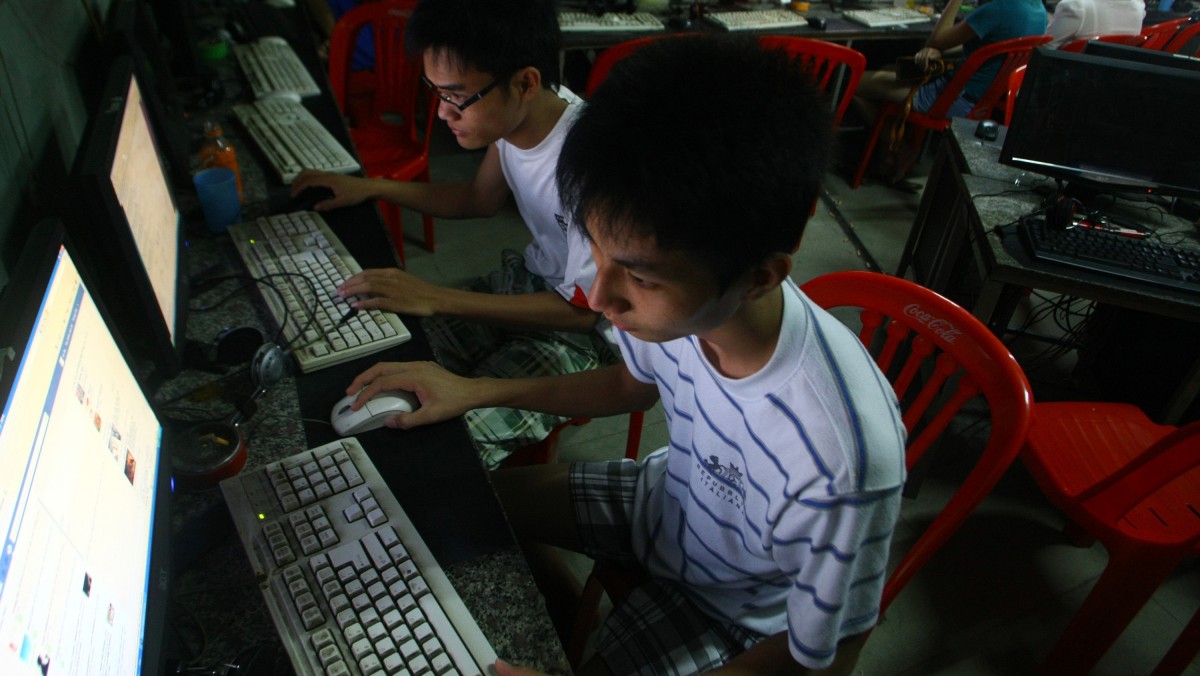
[[127, 222], [83, 487], [132, 31], [1103, 124]]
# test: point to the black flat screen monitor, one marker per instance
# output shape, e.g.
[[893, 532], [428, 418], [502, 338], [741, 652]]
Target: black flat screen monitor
[[84, 487], [1153, 57], [132, 32], [1103, 125], [127, 222]]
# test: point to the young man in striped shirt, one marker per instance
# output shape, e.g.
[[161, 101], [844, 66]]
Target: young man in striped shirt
[[763, 527]]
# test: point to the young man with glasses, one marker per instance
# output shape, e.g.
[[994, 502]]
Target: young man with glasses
[[763, 527], [494, 66]]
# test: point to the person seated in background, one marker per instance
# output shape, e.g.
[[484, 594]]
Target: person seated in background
[[494, 66], [325, 14], [989, 23], [1086, 19], [764, 525]]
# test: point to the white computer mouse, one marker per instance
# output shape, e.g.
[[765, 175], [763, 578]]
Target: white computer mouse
[[373, 414], [294, 97]]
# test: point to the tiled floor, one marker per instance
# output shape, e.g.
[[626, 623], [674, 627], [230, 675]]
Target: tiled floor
[[1000, 592]]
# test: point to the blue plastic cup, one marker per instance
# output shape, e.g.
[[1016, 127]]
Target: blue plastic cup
[[217, 189]]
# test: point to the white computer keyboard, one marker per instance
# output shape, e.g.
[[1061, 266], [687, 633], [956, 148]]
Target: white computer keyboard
[[299, 263], [292, 139], [350, 584], [885, 17], [272, 67], [584, 22], [756, 19]]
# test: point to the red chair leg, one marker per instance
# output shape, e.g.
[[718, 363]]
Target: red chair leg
[[395, 226], [880, 120], [1128, 581]]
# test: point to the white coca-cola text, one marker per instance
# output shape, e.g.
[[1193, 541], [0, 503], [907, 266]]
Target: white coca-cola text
[[938, 325]]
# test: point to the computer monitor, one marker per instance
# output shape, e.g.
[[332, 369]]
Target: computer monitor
[[132, 31], [127, 223], [84, 487], [1104, 125], [1154, 57]]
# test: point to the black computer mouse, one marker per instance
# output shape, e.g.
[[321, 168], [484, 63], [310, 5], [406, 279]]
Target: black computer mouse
[[987, 130], [816, 22], [309, 197]]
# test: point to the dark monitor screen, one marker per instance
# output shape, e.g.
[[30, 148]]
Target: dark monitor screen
[[1103, 124], [132, 31], [84, 487], [127, 222], [1153, 57]]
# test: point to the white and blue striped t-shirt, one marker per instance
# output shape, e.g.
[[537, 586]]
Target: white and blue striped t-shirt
[[775, 502]]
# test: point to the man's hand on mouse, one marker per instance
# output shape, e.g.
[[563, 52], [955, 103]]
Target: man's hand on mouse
[[391, 290], [347, 190], [443, 395]]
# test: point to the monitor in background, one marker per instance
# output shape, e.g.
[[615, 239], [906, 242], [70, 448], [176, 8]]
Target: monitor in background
[[132, 32], [126, 221], [1103, 125], [84, 487], [1153, 57]]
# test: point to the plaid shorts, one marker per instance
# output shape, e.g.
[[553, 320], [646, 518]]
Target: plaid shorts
[[473, 349], [656, 629]]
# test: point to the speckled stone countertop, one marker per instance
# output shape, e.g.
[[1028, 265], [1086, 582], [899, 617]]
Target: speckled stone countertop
[[218, 613]]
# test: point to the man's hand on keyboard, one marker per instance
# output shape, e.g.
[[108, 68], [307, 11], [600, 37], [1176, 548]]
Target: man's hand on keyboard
[[347, 190], [391, 290], [443, 395]]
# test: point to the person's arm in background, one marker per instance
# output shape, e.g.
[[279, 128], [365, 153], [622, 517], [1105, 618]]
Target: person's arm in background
[[322, 23], [947, 34], [482, 197]]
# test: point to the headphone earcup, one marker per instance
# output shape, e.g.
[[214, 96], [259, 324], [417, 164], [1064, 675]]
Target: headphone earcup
[[237, 345], [1061, 214], [269, 365]]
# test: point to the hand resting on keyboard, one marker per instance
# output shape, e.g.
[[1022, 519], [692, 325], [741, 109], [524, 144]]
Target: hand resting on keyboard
[[391, 290]]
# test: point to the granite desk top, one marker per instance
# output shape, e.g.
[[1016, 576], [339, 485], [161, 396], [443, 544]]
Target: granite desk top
[[218, 610]]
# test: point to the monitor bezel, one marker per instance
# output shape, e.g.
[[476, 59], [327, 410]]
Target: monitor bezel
[[1077, 180], [20, 304], [99, 225]]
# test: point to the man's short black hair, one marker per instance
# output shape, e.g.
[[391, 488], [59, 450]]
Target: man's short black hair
[[498, 37], [710, 145]]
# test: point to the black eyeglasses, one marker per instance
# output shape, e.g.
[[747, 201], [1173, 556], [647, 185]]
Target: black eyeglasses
[[456, 100]]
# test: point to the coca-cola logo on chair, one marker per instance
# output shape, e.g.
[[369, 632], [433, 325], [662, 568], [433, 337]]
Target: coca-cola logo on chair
[[939, 326]]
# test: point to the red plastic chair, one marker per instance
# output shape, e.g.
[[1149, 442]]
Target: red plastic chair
[[1012, 53], [388, 131], [1133, 485], [1158, 35], [1015, 78], [1186, 33], [938, 357], [827, 60], [608, 58], [1135, 40], [830, 63]]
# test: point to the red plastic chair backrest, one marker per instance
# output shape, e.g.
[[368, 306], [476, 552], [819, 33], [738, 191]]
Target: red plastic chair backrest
[[1015, 78], [1131, 40], [606, 59], [1158, 35], [832, 65], [1182, 37], [398, 88], [826, 60], [1012, 53], [937, 357]]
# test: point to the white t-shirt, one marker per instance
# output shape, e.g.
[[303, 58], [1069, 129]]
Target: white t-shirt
[[530, 176], [1085, 19], [774, 505]]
